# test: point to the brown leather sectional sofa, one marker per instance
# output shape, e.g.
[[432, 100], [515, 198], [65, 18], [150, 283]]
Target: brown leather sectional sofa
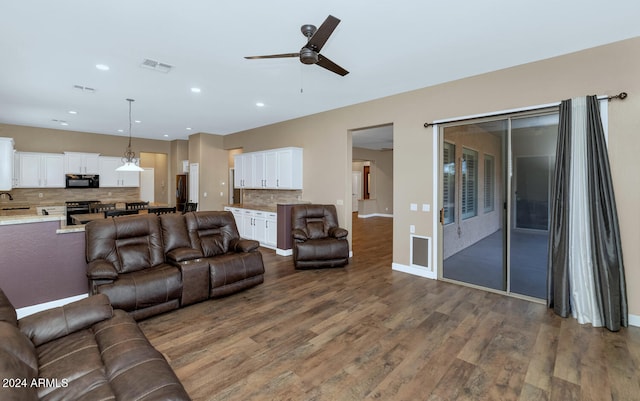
[[81, 351], [149, 264]]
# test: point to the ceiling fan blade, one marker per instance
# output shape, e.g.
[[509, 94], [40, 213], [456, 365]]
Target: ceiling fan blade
[[322, 34], [274, 56], [330, 65]]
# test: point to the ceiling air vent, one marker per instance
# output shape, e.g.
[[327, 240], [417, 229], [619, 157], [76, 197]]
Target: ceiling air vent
[[84, 88], [156, 65]]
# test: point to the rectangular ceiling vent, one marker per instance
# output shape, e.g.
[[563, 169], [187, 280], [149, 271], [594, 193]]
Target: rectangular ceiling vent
[[156, 65], [84, 88]]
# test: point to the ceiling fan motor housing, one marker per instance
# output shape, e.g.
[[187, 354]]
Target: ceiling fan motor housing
[[308, 56]]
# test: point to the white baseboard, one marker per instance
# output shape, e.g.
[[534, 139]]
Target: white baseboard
[[284, 252], [634, 320], [366, 216], [30, 310], [416, 271]]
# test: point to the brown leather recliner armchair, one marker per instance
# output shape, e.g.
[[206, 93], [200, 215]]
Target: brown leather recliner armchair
[[317, 239], [126, 261]]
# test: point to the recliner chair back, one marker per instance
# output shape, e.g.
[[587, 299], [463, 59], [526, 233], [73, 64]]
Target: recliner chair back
[[130, 244], [212, 232], [315, 220]]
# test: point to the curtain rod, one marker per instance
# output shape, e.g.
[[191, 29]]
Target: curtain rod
[[621, 96]]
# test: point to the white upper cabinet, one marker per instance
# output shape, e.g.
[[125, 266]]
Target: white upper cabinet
[[269, 169], [6, 164], [40, 170], [80, 163], [109, 177]]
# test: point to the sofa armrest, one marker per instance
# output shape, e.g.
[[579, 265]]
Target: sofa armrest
[[101, 269], [338, 232], [299, 235], [51, 324], [245, 245], [183, 254]]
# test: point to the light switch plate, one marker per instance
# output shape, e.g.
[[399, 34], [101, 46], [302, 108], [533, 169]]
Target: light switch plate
[[426, 207], [414, 207]]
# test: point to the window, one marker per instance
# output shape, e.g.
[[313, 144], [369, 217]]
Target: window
[[449, 182], [489, 183], [469, 183]]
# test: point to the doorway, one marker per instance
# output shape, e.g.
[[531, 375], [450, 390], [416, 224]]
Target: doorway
[[495, 189]]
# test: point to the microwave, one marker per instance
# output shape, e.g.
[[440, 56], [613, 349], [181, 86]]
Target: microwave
[[82, 181]]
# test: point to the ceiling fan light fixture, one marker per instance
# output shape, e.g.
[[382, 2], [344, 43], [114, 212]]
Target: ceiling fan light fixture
[[308, 56], [129, 162]]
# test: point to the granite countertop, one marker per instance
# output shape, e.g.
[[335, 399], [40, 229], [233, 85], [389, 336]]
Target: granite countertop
[[265, 208], [32, 218]]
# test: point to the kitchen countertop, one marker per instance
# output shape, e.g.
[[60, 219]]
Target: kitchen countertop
[[29, 218], [266, 208]]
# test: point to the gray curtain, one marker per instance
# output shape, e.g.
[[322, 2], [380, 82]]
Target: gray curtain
[[606, 252]]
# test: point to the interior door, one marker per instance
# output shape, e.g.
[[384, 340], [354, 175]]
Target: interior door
[[356, 185]]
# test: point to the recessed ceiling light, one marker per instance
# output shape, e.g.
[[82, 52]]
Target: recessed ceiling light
[[73, 112], [64, 123], [102, 67], [138, 121], [166, 135], [196, 90], [120, 130], [188, 128]]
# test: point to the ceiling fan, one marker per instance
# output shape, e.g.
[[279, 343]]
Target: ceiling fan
[[316, 38]]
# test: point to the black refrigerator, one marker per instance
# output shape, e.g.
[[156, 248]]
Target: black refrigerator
[[182, 191]]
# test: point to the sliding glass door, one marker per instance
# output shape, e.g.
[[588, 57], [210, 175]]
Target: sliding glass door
[[495, 188]]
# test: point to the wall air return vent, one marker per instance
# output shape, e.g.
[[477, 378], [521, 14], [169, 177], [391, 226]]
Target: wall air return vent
[[84, 88], [156, 65]]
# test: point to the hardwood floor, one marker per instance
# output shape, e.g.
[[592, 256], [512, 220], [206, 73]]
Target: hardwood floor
[[366, 332]]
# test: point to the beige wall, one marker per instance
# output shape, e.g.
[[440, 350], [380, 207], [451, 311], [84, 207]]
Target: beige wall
[[207, 150], [381, 170], [327, 143]]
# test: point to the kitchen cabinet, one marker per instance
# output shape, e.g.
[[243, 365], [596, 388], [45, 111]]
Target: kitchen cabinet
[[40, 170], [257, 225], [109, 177], [6, 164], [243, 170], [81, 163], [269, 169]]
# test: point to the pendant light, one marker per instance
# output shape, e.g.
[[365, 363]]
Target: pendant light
[[129, 159]]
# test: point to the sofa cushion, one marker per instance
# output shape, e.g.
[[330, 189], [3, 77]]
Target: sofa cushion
[[135, 370], [233, 267], [19, 377], [61, 321], [145, 288], [74, 361], [7, 311]]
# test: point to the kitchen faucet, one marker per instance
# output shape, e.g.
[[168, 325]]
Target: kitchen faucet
[[8, 194]]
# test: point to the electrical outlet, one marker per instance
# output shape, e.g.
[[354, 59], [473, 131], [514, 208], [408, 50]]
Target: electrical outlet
[[412, 229]]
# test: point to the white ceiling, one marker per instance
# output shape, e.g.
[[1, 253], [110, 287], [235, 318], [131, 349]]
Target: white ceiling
[[389, 47]]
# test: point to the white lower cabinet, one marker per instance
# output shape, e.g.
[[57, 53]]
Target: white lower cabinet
[[256, 225]]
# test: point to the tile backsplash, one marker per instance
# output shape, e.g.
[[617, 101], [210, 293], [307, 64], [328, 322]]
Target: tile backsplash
[[58, 196], [270, 197]]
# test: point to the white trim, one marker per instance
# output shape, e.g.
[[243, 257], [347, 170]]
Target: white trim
[[435, 202], [366, 216], [634, 320], [284, 252], [496, 113], [30, 310], [413, 270]]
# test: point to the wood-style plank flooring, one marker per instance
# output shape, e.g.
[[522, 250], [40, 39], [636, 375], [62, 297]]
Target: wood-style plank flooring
[[366, 332]]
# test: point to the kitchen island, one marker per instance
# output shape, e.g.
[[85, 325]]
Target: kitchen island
[[37, 263]]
